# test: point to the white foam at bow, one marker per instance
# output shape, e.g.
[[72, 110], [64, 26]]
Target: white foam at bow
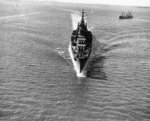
[[75, 65]]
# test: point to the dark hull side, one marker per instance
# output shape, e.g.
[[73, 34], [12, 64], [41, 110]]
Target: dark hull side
[[125, 17], [81, 63]]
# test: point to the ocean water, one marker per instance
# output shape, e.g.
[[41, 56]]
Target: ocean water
[[37, 78]]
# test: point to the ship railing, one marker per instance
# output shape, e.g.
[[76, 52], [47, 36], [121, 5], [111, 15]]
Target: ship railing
[[81, 36], [81, 41], [82, 45]]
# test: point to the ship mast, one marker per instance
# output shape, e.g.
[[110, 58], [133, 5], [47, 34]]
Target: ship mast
[[82, 20]]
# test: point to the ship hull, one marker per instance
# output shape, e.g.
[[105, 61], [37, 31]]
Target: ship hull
[[80, 63], [125, 17]]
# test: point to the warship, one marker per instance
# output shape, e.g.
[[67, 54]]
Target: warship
[[81, 43], [127, 15]]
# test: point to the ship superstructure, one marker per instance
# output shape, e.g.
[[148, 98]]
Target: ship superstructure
[[127, 15]]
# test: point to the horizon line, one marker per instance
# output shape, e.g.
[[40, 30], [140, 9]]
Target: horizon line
[[102, 3]]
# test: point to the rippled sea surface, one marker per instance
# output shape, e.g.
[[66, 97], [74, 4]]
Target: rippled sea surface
[[37, 79]]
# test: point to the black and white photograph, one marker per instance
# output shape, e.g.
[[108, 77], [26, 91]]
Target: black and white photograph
[[74, 60]]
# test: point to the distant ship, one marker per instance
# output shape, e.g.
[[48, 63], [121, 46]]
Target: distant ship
[[81, 43], [127, 15]]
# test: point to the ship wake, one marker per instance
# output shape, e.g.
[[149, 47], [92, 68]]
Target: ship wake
[[75, 19]]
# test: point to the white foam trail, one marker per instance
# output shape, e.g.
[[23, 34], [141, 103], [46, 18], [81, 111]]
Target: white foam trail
[[76, 66], [69, 10], [75, 19], [142, 20]]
